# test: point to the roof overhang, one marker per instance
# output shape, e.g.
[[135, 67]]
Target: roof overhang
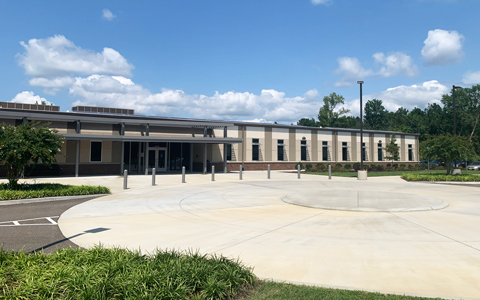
[[108, 119], [128, 138]]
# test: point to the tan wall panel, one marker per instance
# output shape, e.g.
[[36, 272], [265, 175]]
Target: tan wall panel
[[96, 128], [107, 151], [117, 152], [84, 151], [61, 158]]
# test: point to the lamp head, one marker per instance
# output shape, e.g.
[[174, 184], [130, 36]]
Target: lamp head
[[359, 82]]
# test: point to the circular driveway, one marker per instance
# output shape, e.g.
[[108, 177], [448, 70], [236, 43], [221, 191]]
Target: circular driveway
[[430, 252]]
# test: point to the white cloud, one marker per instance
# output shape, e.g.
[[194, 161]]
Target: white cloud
[[397, 63], [353, 70], [29, 97], [108, 15], [269, 105], [471, 77], [408, 97], [52, 85], [317, 2], [58, 57], [443, 47]]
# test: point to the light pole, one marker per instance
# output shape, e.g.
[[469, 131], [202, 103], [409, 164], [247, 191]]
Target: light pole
[[361, 126], [454, 115]]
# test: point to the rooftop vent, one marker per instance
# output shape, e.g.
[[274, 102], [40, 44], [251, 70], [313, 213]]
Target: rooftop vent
[[27, 106], [103, 110]]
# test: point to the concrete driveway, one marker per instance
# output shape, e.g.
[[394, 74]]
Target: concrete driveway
[[425, 250]]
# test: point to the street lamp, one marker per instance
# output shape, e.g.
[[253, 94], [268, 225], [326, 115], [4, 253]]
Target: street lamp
[[361, 126], [454, 116]]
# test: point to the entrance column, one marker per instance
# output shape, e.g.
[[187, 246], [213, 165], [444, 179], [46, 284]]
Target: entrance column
[[205, 158], [122, 158], [225, 151], [146, 158], [77, 158]]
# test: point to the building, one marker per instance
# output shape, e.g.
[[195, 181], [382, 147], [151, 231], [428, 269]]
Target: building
[[101, 141]]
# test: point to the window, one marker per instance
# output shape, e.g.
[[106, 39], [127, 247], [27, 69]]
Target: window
[[410, 152], [325, 151], [380, 152], [255, 149], [95, 151], [364, 153], [344, 151], [303, 150], [280, 150], [396, 156], [229, 151]]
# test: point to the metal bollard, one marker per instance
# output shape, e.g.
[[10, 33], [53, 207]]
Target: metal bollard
[[153, 176], [125, 175], [329, 171], [213, 173], [268, 174], [298, 171], [240, 174], [183, 174]]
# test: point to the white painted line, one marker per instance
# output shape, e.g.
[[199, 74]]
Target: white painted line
[[51, 221], [29, 220], [16, 223]]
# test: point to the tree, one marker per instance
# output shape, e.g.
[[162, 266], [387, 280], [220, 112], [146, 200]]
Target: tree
[[392, 149], [447, 148], [375, 115], [327, 115], [27, 144], [307, 122]]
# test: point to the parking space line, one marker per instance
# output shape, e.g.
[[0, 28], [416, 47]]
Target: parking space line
[[51, 221]]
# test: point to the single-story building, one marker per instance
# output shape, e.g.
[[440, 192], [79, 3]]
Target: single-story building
[[109, 140]]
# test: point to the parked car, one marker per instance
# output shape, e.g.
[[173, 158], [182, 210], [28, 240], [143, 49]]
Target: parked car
[[474, 166]]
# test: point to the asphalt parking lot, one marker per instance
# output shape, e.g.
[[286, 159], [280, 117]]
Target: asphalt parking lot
[[33, 226]]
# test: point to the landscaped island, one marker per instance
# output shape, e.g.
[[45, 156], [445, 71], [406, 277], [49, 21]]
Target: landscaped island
[[39, 190]]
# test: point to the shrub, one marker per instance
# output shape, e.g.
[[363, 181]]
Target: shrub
[[389, 165], [395, 166], [439, 177], [320, 166], [347, 166], [102, 273], [438, 167], [380, 168], [299, 164], [338, 166], [410, 166], [27, 191], [402, 165], [356, 166], [308, 167]]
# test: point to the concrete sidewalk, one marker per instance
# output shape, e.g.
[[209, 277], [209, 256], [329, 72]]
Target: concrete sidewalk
[[434, 252]]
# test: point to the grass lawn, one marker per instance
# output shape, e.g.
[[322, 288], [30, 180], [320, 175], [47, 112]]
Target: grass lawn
[[285, 291], [39, 190]]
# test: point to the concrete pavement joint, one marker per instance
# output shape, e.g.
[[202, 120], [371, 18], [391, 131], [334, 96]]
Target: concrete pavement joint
[[438, 233], [270, 231]]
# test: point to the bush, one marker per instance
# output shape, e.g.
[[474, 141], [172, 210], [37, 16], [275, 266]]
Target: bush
[[410, 167], [347, 166], [356, 166], [402, 165], [101, 273], [439, 177], [338, 166], [308, 167], [27, 191], [380, 168], [321, 166], [299, 164], [395, 166], [389, 165]]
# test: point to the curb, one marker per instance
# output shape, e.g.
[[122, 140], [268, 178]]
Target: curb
[[48, 199]]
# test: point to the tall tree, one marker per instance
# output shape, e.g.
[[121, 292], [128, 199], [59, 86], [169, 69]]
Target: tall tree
[[375, 115], [328, 113], [447, 148], [307, 122], [27, 144]]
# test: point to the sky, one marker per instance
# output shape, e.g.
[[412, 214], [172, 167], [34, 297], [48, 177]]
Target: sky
[[249, 60]]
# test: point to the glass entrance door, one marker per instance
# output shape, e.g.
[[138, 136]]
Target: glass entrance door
[[157, 159]]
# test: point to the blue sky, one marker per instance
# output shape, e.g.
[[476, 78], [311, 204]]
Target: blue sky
[[236, 60]]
